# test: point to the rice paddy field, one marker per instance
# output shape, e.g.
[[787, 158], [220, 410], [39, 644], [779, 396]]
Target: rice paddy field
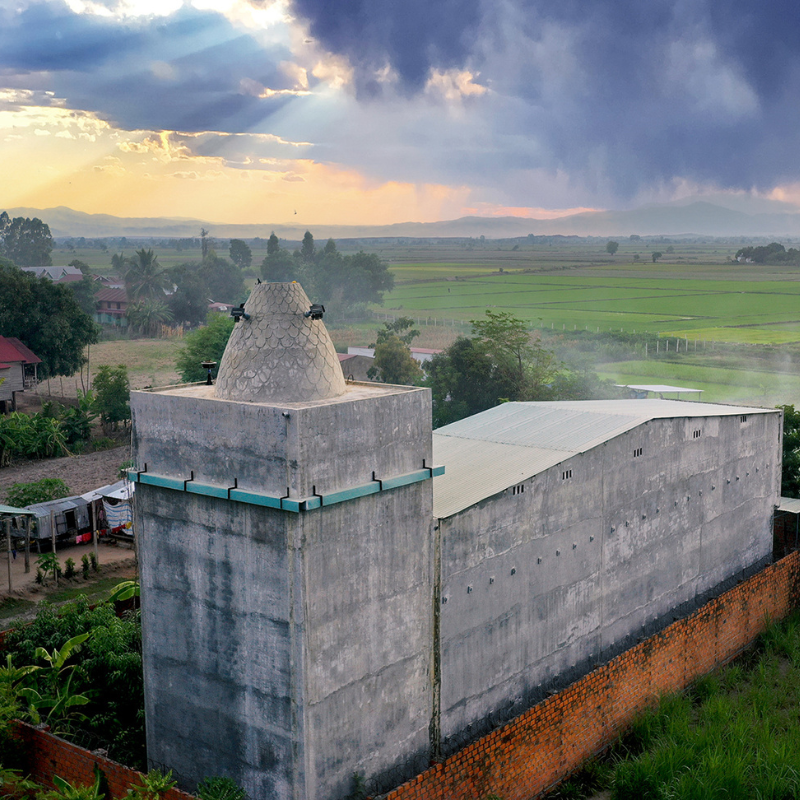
[[730, 329]]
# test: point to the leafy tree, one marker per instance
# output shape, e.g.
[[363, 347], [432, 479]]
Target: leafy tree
[[26, 494], [520, 364], [343, 283], [670, 250], [144, 278], [27, 242], [204, 344], [462, 382], [500, 362], [394, 363], [189, 302], [112, 395], [223, 279], [273, 244], [119, 262], [148, 315], [656, 256], [278, 266], [47, 318], [402, 328], [307, 248], [240, 253], [85, 291], [81, 265], [612, 247]]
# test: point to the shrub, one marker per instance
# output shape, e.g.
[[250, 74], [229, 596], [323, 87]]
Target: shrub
[[219, 788], [93, 560], [26, 494], [85, 566], [69, 569]]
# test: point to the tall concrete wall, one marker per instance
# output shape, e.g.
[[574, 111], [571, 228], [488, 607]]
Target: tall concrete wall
[[287, 650], [538, 585]]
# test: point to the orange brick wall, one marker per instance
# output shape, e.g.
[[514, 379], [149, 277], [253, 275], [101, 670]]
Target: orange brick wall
[[544, 745], [47, 755]]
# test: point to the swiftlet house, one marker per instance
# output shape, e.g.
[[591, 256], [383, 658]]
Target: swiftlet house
[[331, 588]]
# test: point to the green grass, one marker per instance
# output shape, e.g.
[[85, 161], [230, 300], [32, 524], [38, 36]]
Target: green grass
[[724, 305], [12, 607], [734, 735]]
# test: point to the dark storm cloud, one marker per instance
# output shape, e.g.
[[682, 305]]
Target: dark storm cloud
[[411, 35], [629, 93], [183, 72]]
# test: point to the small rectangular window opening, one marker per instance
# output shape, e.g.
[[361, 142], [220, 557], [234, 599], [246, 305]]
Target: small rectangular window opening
[[566, 475], [696, 434], [518, 489], [637, 452], [743, 418]]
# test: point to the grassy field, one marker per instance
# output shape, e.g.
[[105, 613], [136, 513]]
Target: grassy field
[[560, 285]]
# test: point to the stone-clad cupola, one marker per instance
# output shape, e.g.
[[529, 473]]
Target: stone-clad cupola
[[279, 355]]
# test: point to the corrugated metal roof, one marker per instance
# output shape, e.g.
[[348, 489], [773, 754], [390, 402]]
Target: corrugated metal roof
[[15, 512], [790, 504], [491, 451]]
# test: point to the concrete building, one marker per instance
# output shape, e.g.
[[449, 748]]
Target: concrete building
[[284, 522], [314, 606], [569, 529]]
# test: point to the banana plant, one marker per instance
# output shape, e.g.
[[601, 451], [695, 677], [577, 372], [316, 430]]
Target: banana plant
[[66, 791], [124, 591], [53, 707]]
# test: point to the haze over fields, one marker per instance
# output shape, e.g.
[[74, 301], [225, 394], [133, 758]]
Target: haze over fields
[[693, 218], [315, 113]]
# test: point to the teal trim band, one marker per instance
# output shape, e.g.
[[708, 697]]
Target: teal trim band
[[164, 481], [255, 498], [405, 480], [292, 504], [207, 489], [350, 494]]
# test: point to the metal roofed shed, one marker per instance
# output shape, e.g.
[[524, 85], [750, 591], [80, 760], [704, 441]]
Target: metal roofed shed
[[642, 390], [498, 448]]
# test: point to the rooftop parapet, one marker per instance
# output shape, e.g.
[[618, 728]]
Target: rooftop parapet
[[279, 355]]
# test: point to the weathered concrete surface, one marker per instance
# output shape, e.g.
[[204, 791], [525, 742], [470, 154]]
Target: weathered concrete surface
[[538, 583], [287, 651]]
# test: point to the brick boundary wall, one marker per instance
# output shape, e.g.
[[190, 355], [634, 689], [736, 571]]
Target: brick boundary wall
[[47, 755], [543, 746]]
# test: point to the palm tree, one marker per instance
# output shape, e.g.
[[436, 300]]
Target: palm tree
[[148, 315], [144, 278]]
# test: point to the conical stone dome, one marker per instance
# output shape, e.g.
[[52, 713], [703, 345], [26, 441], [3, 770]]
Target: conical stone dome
[[279, 355]]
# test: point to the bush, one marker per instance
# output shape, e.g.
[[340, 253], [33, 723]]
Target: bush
[[219, 788], [85, 566], [26, 494], [69, 569]]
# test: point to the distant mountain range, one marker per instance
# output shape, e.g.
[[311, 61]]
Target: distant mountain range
[[684, 218]]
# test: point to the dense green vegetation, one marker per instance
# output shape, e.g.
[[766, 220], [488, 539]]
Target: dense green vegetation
[[105, 668]]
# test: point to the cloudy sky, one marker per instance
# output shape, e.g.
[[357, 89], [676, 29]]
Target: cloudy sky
[[377, 111]]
